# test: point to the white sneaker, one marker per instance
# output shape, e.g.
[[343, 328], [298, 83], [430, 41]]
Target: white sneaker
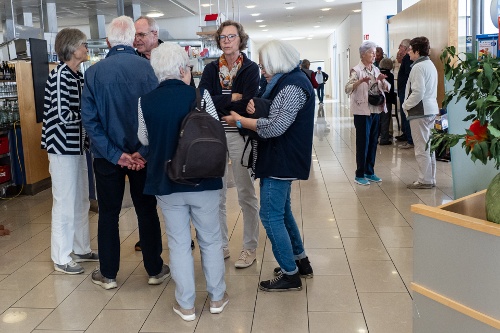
[[218, 306], [246, 259], [226, 252], [185, 314]]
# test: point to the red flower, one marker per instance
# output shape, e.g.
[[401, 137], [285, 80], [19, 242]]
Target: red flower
[[480, 133]]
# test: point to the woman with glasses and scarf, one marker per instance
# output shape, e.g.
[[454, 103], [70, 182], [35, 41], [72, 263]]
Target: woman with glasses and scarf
[[63, 137], [284, 156], [232, 80]]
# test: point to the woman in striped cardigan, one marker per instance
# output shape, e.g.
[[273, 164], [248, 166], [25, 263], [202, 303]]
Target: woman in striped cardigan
[[63, 137]]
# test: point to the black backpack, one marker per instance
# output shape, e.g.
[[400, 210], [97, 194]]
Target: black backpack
[[202, 148]]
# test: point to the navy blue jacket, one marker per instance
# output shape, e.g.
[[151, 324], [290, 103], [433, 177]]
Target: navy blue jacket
[[246, 82], [289, 155], [404, 74], [164, 109], [109, 102]]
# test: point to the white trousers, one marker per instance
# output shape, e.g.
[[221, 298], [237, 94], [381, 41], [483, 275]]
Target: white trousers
[[202, 209], [70, 207], [421, 132], [247, 198]]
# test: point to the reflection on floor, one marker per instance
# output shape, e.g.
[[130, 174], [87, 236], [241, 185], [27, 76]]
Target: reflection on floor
[[358, 238]]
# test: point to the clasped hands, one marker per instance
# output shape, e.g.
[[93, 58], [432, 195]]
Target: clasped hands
[[132, 161], [231, 119]]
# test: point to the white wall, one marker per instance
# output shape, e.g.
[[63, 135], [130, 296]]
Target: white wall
[[374, 17], [311, 49], [348, 37]]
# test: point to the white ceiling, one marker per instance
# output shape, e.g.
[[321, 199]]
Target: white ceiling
[[305, 20]]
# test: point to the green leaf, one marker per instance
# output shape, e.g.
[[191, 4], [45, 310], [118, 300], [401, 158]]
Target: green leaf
[[494, 131]]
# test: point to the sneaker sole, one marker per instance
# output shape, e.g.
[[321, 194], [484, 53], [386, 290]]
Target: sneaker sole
[[185, 317], [106, 286], [279, 290], [219, 310], [306, 276], [85, 260], [67, 272], [155, 281], [361, 183]]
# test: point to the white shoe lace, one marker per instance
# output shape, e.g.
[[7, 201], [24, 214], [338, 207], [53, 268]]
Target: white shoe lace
[[72, 264], [243, 255]]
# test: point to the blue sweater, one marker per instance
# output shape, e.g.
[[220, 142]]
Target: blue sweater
[[164, 109], [289, 155], [109, 102]]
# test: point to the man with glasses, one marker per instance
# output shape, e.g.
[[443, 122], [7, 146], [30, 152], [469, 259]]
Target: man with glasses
[[403, 74], [146, 36]]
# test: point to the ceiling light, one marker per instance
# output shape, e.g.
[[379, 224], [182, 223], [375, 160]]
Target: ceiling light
[[265, 29], [255, 14], [258, 21], [206, 5], [289, 7], [262, 26], [329, 0], [325, 9], [356, 10], [155, 14], [309, 38], [250, 6], [316, 26], [292, 38]]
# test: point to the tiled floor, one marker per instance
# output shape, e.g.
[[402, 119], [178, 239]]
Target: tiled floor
[[359, 241]]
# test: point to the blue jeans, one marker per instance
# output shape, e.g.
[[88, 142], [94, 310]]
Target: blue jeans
[[367, 129], [405, 124], [110, 186], [281, 228], [321, 92]]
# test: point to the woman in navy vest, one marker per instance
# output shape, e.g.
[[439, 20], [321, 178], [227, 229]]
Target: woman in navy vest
[[283, 155], [161, 113]]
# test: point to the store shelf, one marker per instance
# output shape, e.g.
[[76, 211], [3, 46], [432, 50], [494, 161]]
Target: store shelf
[[206, 33], [8, 96]]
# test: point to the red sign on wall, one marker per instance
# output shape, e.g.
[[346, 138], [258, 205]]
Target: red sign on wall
[[366, 37]]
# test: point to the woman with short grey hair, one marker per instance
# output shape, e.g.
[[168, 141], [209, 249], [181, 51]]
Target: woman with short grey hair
[[63, 137], [365, 79], [160, 116]]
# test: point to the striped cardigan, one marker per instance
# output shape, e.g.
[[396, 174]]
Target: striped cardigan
[[62, 131]]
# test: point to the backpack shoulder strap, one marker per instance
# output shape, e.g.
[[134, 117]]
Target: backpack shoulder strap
[[200, 102]]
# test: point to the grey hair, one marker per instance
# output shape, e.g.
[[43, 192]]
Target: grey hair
[[405, 42], [278, 57], [386, 63], [121, 31], [166, 59], [67, 41], [151, 22], [365, 47]]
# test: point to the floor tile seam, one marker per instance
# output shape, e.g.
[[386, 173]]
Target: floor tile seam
[[343, 245]]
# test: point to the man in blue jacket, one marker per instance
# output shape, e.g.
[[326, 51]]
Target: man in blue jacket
[[109, 114]]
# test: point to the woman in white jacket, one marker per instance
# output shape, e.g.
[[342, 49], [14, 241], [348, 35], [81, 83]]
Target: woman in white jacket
[[421, 108]]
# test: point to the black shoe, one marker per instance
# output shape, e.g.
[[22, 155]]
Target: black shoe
[[282, 282], [138, 246], [402, 137], [192, 244], [305, 269], [385, 143]]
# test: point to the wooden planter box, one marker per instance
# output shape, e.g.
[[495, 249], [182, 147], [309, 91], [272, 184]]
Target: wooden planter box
[[456, 254]]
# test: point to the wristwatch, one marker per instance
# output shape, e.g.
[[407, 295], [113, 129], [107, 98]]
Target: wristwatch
[[238, 124]]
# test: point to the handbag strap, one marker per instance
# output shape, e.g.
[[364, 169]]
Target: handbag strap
[[200, 102]]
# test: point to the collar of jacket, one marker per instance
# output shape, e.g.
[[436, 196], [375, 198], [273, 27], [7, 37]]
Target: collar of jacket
[[422, 58], [120, 49], [171, 82]]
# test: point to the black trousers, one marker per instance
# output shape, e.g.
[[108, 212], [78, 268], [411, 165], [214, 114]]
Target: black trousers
[[110, 186]]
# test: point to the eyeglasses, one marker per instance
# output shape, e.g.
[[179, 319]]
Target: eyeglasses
[[141, 35], [86, 45], [190, 67], [228, 37]]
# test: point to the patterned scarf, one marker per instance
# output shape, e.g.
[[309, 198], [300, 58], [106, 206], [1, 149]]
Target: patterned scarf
[[226, 76]]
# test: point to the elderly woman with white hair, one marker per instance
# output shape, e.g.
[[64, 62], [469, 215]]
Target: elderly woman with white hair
[[284, 156], [365, 80], [160, 116]]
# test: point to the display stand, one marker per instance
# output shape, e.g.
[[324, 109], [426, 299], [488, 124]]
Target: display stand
[[456, 268]]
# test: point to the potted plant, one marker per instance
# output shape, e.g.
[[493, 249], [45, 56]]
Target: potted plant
[[478, 81]]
